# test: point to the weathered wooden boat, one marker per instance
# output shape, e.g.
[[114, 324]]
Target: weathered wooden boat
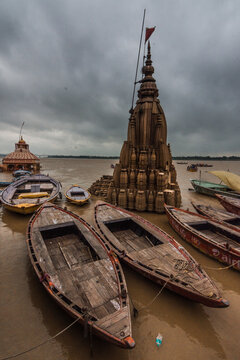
[[230, 204], [220, 215], [19, 173], [5, 183], [77, 195], [80, 273], [155, 254], [27, 194], [209, 236], [211, 189]]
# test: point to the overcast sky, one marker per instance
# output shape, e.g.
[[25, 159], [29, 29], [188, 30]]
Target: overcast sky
[[67, 70]]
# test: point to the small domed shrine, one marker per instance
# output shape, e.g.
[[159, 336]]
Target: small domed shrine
[[21, 158], [145, 177]]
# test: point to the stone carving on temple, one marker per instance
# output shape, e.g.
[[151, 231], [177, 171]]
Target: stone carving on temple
[[145, 177]]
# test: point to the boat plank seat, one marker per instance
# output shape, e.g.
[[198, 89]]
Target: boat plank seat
[[114, 323]]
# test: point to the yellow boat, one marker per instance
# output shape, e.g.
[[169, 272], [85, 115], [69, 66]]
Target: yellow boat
[[77, 195], [26, 195]]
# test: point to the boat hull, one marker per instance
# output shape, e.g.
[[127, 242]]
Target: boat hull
[[28, 201], [223, 217], [157, 277], [65, 302], [203, 244], [229, 206], [211, 189], [85, 197], [25, 210]]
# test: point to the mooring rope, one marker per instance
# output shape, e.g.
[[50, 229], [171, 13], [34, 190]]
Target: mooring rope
[[156, 296], [221, 268], [42, 343]]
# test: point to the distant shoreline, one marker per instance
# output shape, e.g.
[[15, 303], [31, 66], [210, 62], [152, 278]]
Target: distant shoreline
[[208, 158], [205, 158]]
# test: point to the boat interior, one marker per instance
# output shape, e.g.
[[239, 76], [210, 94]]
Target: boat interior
[[217, 233], [77, 193], [131, 235], [30, 192], [153, 254], [75, 267]]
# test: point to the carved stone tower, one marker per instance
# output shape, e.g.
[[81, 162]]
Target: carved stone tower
[[145, 177]]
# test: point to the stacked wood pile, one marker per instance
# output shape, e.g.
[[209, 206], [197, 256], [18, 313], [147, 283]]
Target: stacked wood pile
[[145, 177]]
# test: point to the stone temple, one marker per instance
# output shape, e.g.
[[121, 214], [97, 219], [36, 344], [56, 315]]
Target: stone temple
[[145, 177]]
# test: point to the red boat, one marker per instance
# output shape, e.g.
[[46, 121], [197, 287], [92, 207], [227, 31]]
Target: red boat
[[229, 203], [209, 236], [225, 217], [80, 274], [155, 254]]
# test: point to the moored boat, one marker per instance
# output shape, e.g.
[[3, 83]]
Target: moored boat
[[4, 183], [230, 204], [211, 189], [77, 195], [192, 168], [27, 194], [209, 236], [155, 254], [20, 173], [80, 273], [220, 215]]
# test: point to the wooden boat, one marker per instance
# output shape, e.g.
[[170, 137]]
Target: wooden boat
[[155, 254], [230, 204], [211, 189], [19, 173], [5, 183], [80, 274], [208, 235], [192, 168], [220, 215], [27, 194], [77, 195]]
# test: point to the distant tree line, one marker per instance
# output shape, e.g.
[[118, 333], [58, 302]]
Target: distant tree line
[[196, 157], [82, 157]]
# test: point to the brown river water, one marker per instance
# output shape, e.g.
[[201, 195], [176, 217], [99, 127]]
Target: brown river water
[[28, 316]]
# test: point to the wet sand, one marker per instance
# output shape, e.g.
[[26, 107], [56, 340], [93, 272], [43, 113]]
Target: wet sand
[[28, 316]]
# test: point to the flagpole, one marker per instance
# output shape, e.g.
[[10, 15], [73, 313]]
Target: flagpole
[[134, 87], [21, 131]]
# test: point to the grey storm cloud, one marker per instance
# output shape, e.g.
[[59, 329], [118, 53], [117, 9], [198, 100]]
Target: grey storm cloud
[[67, 70]]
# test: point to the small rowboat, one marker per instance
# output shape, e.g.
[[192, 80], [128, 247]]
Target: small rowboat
[[230, 204], [225, 217], [5, 183], [26, 195], [155, 254], [212, 189], [80, 274], [77, 195], [209, 236]]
